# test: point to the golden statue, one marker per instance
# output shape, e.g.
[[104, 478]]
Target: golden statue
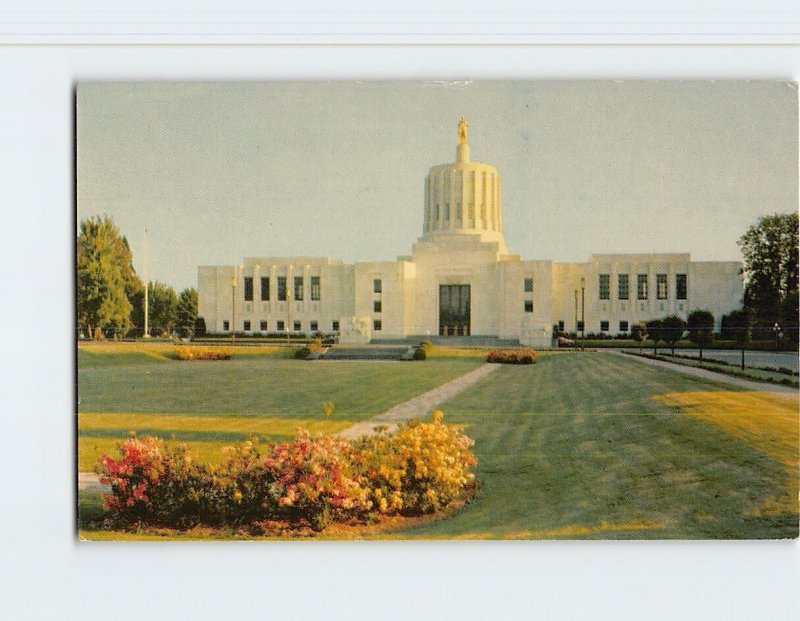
[[462, 131]]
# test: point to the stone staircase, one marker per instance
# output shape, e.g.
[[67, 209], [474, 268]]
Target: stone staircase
[[365, 352], [451, 341]]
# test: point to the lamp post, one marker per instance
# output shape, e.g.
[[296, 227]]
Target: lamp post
[[289, 286], [233, 305], [583, 315], [777, 329]]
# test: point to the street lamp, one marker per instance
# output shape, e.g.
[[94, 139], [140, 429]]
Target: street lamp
[[583, 314], [233, 305], [777, 329], [289, 286]]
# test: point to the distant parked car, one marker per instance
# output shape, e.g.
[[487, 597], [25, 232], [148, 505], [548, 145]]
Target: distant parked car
[[330, 339]]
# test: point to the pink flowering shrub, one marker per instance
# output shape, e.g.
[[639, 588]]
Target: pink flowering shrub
[[421, 468], [314, 480], [311, 480]]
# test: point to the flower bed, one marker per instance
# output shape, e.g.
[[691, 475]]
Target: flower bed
[[512, 356], [312, 481], [193, 352]]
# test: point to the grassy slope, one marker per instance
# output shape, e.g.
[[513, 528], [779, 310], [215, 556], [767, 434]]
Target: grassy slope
[[576, 447]]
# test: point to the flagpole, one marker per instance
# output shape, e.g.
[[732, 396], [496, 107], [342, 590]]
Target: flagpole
[[146, 287]]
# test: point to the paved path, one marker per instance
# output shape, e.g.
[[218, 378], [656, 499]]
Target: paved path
[[785, 391], [419, 405]]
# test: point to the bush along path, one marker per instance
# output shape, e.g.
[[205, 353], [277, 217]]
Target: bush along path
[[419, 405]]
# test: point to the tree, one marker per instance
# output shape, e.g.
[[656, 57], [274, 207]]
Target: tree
[[105, 276], [737, 325], [700, 324], [163, 307], [654, 331], [639, 333], [186, 313], [672, 329], [770, 250]]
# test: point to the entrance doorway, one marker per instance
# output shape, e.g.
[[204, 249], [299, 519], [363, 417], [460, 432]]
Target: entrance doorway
[[454, 315]]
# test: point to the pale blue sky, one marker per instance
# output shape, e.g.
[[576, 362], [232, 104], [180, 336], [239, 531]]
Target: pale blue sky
[[220, 171]]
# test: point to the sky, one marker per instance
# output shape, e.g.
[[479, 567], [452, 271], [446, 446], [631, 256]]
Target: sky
[[221, 171]]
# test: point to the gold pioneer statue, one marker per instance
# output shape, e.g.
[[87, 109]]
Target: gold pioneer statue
[[462, 131]]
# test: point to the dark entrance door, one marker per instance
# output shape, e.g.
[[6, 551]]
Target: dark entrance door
[[454, 310]]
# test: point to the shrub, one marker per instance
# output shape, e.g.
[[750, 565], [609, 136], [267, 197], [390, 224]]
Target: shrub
[[514, 356], [313, 480], [418, 469], [420, 353], [194, 352]]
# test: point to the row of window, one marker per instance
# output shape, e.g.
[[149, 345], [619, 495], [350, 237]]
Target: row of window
[[604, 326], [280, 326], [298, 288], [642, 286]]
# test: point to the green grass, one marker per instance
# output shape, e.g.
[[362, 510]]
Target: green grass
[[579, 445], [576, 447]]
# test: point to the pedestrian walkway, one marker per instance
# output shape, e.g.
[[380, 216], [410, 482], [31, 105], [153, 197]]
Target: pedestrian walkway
[[419, 405], [785, 391]]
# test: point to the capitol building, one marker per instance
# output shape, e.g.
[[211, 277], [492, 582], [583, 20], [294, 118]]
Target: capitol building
[[462, 280]]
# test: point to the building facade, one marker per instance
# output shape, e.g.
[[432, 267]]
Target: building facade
[[461, 280]]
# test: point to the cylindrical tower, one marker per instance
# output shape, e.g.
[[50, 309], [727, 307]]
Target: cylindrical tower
[[464, 197]]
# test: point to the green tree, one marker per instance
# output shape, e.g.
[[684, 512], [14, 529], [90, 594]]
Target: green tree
[[186, 313], [163, 307], [655, 332], [105, 276], [672, 329], [737, 325], [639, 333], [770, 250], [700, 324]]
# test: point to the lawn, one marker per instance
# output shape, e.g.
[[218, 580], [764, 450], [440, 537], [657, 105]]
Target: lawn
[[579, 445], [210, 404], [596, 446]]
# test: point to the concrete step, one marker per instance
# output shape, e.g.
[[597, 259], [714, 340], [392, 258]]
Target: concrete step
[[370, 352], [452, 341]]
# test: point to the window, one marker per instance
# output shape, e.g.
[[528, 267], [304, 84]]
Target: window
[[335, 325], [528, 285], [226, 325], [623, 326], [623, 286], [641, 286], [262, 326], [528, 306], [298, 288], [680, 286], [265, 288], [246, 325], [376, 306], [376, 325], [661, 286], [604, 325], [605, 286], [560, 326], [281, 326], [248, 288], [282, 288], [315, 288], [314, 326], [580, 326], [377, 285], [297, 326]]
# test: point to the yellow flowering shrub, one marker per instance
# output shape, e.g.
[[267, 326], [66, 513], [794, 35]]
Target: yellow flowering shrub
[[194, 352], [420, 468]]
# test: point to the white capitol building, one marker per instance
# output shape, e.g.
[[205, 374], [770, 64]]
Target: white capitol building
[[461, 280]]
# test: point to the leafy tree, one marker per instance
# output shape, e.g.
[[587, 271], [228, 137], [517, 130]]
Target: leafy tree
[[163, 307], [186, 313], [700, 324], [105, 276], [639, 333], [655, 332], [737, 325], [672, 329], [770, 250]]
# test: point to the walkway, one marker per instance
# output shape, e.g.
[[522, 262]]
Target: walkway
[[419, 405], [784, 391]]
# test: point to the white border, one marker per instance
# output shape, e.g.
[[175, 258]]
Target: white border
[[45, 573]]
